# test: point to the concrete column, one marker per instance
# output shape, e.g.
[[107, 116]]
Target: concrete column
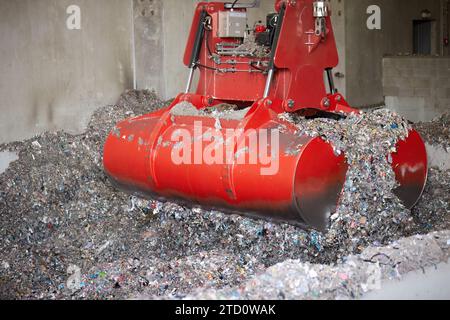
[[149, 45], [338, 20], [177, 19]]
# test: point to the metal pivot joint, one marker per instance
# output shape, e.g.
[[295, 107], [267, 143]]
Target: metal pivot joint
[[321, 11]]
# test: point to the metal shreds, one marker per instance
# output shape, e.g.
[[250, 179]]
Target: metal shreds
[[368, 210], [436, 132], [349, 279], [252, 48], [433, 210], [66, 233], [221, 111], [316, 240]]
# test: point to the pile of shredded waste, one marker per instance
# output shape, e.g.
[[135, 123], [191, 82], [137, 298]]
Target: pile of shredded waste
[[351, 278], [436, 132], [67, 233], [368, 210]]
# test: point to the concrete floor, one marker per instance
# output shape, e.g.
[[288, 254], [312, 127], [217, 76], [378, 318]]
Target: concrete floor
[[438, 157], [5, 159], [430, 284]]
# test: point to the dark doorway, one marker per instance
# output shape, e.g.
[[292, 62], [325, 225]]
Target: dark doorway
[[422, 36]]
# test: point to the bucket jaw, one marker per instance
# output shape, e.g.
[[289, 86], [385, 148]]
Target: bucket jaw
[[264, 169]]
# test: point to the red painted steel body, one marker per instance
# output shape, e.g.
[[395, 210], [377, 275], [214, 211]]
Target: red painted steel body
[[139, 157], [138, 154]]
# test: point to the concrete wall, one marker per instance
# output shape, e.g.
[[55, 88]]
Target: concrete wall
[[338, 21], [148, 45], [53, 78], [161, 28], [176, 24], [365, 48], [446, 24], [417, 87]]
